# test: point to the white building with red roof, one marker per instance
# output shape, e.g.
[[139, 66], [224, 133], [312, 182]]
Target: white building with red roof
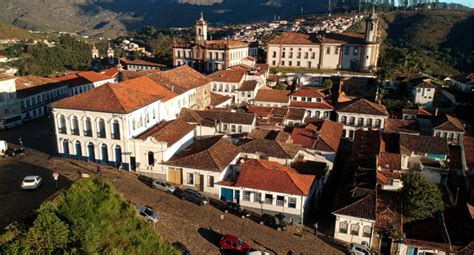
[[269, 187], [83, 81], [312, 101]]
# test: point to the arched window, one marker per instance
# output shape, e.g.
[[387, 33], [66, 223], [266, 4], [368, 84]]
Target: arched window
[[343, 119], [90, 152], [66, 148], [116, 130], [369, 122], [104, 154], [360, 122], [78, 148], [351, 120], [62, 124], [88, 127], [118, 156], [74, 126], [151, 158], [317, 114], [101, 128], [378, 123]]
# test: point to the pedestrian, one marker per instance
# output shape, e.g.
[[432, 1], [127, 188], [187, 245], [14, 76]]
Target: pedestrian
[[20, 142], [121, 166], [99, 173], [290, 252], [315, 226]]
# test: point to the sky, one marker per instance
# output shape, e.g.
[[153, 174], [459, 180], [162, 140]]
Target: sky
[[469, 3]]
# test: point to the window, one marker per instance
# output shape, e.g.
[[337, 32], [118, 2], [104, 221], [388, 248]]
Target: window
[[351, 120], [313, 55], [257, 197], [280, 201], [377, 123], [246, 196], [360, 122], [282, 63], [369, 122], [224, 127], [240, 128], [190, 179], [274, 63], [367, 231], [151, 158], [292, 202], [210, 181], [283, 54], [355, 229], [298, 63], [306, 55], [343, 227], [294, 98], [232, 128], [328, 50], [268, 199], [298, 55], [291, 55], [274, 54], [346, 50], [389, 181], [290, 63]]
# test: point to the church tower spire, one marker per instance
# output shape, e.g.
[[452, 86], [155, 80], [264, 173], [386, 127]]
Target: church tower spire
[[95, 52], [110, 52], [201, 30], [371, 27]]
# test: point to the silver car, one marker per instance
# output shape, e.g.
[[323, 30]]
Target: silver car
[[164, 186], [31, 182], [148, 214], [358, 249]]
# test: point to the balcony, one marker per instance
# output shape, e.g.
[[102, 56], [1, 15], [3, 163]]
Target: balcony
[[62, 130], [101, 134], [88, 133], [116, 136], [75, 131]]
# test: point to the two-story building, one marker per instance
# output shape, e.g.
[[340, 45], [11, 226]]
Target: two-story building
[[10, 112], [80, 82], [348, 51], [312, 101], [269, 187], [361, 114], [424, 93], [227, 83], [272, 97], [449, 127]]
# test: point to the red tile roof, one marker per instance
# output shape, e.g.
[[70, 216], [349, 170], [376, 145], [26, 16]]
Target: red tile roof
[[141, 62], [364, 106], [123, 97], [389, 161], [31, 85], [217, 99], [260, 111], [210, 154], [360, 203], [450, 123], [301, 38], [168, 131], [229, 75], [323, 135], [308, 93], [468, 142], [273, 95], [83, 78], [401, 126], [272, 176], [313, 105]]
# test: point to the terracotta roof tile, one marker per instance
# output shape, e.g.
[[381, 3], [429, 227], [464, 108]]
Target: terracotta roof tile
[[364, 106], [248, 85], [82, 78], [450, 123], [123, 97], [168, 131], [295, 114], [271, 148], [128, 61], [388, 211], [277, 135], [308, 93], [323, 135], [210, 154], [217, 99], [272, 176], [425, 84], [273, 95], [227, 75], [313, 105], [389, 161], [301, 38], [30, 85], [401, 126], [360, 203], [423, 144], [211, 117]]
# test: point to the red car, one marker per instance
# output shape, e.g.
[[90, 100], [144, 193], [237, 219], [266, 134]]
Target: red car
[[233, 243]]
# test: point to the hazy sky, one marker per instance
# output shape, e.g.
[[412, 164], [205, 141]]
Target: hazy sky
[[469, 3]]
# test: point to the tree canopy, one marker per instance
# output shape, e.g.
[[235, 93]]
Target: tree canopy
[[91, 218], [421, 198]]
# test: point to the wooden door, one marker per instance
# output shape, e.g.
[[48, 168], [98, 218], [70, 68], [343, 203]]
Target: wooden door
[[175, 176]]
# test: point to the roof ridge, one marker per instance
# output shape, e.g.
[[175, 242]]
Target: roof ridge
[[363, 198]]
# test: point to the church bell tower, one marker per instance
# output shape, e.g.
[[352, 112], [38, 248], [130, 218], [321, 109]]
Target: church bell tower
[[371, 27], [201, 30]]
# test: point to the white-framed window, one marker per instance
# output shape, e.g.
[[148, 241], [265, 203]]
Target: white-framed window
[[355, 229], [343, 227], [246, 196], [257, 197], [190, 179], [268, 199], [292, 202], [210, 181], [280, 201], [367, 231]]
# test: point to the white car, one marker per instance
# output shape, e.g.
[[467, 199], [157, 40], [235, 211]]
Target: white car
[[164, 186], [259, 253], [148, 214], [358, 249], [31, 182]]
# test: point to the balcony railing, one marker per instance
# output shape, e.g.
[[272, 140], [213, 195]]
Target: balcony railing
[[116, 136], [62, 130], [75, 131], [88, 133], [101, 134]]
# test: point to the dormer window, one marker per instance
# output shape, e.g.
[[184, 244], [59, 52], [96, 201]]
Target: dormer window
[[308, 99], [318, 100], [294, 98], [303, 99]]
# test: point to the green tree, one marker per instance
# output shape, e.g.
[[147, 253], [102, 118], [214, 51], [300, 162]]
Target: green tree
[[49, 233], [327, 84], [421, 198]]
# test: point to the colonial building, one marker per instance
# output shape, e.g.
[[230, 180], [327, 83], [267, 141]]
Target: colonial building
[[361, 114], [347, 51], [208, 55], [312, 101]]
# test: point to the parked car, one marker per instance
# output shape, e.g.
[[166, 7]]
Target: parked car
[[181, 248], [178, 192], [358, 249], [195, 197], [273, 222], [233, 243], [258, 253], [164, 186], [236, 209], [31, 182], [148, 214]]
